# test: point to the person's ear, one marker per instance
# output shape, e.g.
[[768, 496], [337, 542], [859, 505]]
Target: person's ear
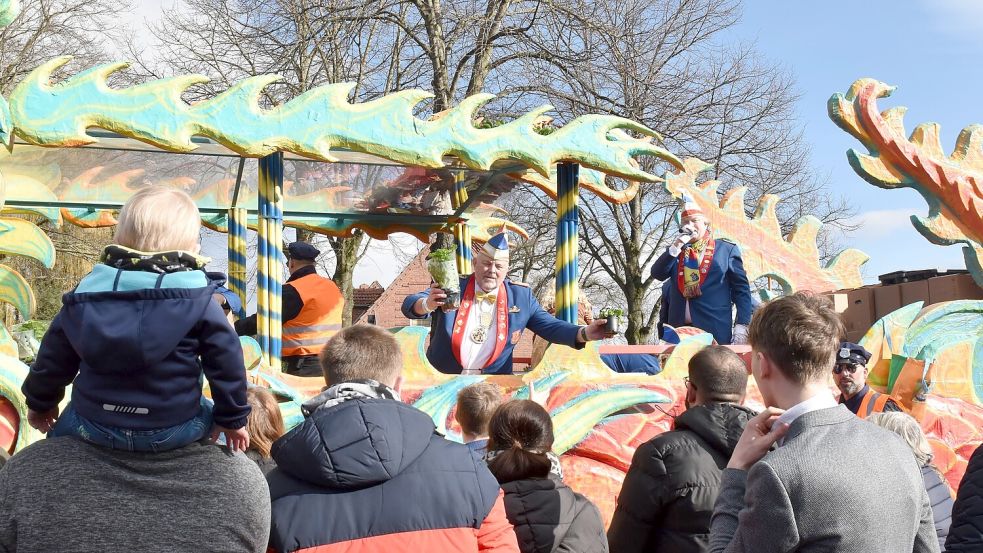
[[765, 366], [398, 384], [690, 398]]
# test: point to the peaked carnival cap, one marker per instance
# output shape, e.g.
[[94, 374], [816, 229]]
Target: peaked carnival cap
[[497, 247], [689, 207]]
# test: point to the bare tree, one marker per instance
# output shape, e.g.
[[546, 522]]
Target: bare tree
[[49, 28], [665, 63]]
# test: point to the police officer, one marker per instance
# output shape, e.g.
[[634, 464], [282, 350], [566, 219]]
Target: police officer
[[312, 310], [850, 374]]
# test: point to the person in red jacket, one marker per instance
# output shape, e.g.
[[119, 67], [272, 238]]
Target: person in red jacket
[[365, 472]]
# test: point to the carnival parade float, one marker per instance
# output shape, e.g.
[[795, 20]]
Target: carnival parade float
[[78, 148]]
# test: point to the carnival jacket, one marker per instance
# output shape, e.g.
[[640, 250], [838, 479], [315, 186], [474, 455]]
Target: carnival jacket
[[549, 517], [374, 475], [524, 312], [966, 530], [726, 284], [134, 338], [668, 494]]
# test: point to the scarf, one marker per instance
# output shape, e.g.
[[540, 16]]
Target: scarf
[[127, 259], [694, 264], [556, 470], [340, 393]]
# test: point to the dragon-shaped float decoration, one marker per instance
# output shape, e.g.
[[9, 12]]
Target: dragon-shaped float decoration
[[952, 185], [793, 262], [934, 352]]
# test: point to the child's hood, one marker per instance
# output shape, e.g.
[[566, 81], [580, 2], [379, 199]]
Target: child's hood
[[128, 319]]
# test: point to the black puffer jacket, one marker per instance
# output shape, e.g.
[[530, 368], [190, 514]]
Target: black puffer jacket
[[966, 531], [549, 517], [668, 494], [941, 500]]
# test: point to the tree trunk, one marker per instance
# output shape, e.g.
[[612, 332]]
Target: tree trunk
[[346, 257]]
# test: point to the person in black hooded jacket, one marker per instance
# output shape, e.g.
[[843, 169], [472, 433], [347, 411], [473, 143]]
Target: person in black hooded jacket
[[547, 515], [966, 530], [667, 497]]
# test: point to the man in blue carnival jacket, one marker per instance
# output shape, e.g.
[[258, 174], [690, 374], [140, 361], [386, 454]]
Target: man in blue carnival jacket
[[478, 337], [707, 278]]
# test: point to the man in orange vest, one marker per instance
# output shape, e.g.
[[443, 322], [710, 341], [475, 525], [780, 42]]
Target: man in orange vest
[[312, 308], [850, 374]]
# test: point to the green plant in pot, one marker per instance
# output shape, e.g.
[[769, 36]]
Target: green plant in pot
[[614, 317], [443, 269]]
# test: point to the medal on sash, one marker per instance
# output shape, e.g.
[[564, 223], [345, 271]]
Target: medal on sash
[[480, 334]]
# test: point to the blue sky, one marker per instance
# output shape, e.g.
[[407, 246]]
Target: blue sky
[[930, 49]]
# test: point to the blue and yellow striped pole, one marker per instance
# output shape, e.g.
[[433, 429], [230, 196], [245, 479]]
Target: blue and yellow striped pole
[[567, 248], [237, 255], [269, 267], [462, 232]]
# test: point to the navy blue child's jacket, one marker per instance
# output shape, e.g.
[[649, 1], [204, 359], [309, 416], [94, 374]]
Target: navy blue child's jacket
[[134, 339]]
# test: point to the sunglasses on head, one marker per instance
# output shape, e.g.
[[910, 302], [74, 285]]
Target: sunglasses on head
[[850, 368]]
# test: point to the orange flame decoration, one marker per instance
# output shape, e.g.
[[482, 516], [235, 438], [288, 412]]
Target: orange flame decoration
[[793, 262], [951, 185]]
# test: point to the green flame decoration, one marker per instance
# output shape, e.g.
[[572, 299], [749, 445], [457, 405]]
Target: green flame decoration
[[314, 122]]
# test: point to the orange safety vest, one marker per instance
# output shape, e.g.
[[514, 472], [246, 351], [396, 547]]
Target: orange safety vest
[[318, 320], [873, 402]]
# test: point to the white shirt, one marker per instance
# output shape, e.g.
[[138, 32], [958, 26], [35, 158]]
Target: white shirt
[[474, 356], [823, 400]]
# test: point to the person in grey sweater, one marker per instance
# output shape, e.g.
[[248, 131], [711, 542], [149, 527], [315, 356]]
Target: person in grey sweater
[[834, 482], [63, 494]]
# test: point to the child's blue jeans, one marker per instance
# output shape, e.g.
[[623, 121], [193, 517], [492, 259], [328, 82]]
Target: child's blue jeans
[[70, 423]]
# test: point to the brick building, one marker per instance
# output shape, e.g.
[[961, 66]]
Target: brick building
[[363, 297], [386, 311]]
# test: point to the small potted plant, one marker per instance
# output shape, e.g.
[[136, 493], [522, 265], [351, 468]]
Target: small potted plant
[[443, 269], [614, 317]]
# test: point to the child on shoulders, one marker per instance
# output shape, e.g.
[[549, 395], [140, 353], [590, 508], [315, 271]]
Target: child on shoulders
[[136, 335]]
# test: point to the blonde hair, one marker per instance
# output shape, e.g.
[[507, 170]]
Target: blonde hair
[[475, 405], [265, 422], [157, 219], [907, 427]]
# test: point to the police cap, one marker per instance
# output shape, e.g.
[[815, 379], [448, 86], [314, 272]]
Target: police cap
[[302, 251], [852, 353]]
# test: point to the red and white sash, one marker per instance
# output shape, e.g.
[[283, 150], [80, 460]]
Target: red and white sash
[[461, 322]]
